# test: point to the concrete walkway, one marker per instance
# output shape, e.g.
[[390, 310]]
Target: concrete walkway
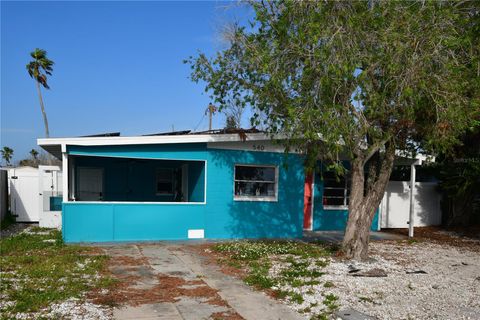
[[199, 291]]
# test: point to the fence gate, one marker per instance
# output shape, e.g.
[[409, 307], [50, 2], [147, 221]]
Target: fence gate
[[50, 196]]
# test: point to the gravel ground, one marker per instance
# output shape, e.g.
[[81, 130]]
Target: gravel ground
[[449, 288], [71, 309]]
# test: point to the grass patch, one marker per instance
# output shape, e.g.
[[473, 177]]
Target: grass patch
[[254, 250], [38, 269], [302, 264]]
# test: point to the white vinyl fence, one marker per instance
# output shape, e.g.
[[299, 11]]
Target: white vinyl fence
[[36, 195], [396, 202]]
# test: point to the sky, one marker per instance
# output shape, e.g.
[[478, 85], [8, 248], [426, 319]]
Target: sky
[[118, 67]]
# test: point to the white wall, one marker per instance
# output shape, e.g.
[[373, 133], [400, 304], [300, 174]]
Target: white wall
[[395, 205]]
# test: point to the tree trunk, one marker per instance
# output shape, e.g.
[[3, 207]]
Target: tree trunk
[[363, 203], [44, 114]]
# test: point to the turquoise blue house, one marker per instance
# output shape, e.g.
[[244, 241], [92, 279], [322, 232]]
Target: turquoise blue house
[[190, 186]]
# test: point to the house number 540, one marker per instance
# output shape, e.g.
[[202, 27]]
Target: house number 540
[[258, 147]]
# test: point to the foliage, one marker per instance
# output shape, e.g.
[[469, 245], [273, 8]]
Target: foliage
[[38, 269], [366, 78], [231, 123], [358, 72], [7, 154], [460, 182], [34, 154], [40, 67]]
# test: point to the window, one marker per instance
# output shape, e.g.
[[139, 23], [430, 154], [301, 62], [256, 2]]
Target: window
[[336, 190], [89, 184], [256, 183], [164, 181]]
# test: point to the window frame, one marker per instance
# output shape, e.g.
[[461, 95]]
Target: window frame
[[256, 198], [345, 197], [171, 181]]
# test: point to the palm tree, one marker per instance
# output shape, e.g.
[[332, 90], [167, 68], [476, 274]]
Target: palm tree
[[38, 69], [7, 154], [34, 154]]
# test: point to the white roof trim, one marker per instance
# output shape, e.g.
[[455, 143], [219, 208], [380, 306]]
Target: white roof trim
[[192, 138]]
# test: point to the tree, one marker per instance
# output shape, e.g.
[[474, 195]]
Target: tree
[[34, 154], [363, 79], [7, 154], [230, 122], [38, 69], [459, 175]]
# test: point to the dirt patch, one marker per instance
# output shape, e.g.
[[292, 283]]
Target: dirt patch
[[128, 261], [226, 316], [138, 283]]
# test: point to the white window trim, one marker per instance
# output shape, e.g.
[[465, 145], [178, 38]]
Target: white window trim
[[255, 198], [172, 192], [334, 207]]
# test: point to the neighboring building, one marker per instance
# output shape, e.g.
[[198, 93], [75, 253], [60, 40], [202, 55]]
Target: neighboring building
[[184, 186]]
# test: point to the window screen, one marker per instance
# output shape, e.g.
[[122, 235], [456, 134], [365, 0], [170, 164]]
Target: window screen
[[255, 182], [164, 181]]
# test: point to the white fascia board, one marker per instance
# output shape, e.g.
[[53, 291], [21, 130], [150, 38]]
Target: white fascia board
[[100, 141]]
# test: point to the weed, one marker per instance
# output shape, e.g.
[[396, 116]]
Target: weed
[[328, 284], [366, 299], [330, 302], [296, 297]]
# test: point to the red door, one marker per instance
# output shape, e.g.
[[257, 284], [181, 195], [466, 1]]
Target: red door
[[307, 203]]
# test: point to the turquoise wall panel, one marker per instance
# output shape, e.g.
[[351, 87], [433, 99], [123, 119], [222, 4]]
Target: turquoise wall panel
[[180, 151], [85, 222], [227, 218], [156, 221], [106, 222]]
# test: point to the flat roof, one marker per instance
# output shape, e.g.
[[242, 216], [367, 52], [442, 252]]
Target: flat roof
[[56, 146]]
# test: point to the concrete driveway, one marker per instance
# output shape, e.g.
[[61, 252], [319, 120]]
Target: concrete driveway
[[168, 281]]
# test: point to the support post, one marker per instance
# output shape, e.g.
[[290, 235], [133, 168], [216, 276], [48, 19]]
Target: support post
[[65, 176], [411, 221]]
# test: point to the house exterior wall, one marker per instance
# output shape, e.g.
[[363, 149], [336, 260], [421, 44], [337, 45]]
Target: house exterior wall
[[220, 216], [329, 219], [226, 218]]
